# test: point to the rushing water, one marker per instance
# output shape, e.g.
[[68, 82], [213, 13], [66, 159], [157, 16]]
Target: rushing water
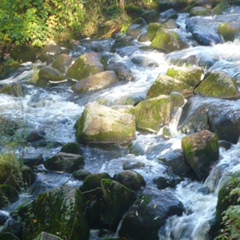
[[55, 110]]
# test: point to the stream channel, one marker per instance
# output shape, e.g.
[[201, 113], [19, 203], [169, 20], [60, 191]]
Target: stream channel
[[55, 110]]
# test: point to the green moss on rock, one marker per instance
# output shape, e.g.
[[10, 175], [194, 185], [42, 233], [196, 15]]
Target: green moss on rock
[[59, 212], [154, 113]]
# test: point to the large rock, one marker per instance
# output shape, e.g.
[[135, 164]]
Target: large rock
[[217, 84], [49, 53], [60, 212], [190, 75], [229, 30], [204, 30], [95, 82], [86, 65], [116, 201], [62, 62], [47, 236], [148, 214], [101, 124], [167, 41], [201, 151], [154, 113], [166, 84], [66, 162], [50, 74]]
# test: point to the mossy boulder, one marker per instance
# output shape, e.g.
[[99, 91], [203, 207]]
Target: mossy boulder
[[81, 174], [59, 212], [116, 201], [49, 53], [199, 11], [14, 89], [95, 82], [101, 124], [154, 113], [93, 181], [219, 85], [62, 62], [201, 151], [167, 41], [23, 54], [86, 65], [66, 162], [72, 147], [148, 214], [130, 179], [229, 30], [150, 16], [50, 74], [164, 85], [152, 29], [190, 75]]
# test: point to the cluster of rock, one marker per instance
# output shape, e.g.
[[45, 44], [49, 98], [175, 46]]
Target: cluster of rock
[[103, 200]]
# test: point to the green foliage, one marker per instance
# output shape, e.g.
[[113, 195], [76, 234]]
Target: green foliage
[[231, 215]]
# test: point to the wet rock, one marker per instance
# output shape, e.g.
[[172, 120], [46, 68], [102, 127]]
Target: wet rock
[[95, 82], [201, 151], [229, 30], [50, 74], [199, 11], [15, 89], [130, 179], [86, 65], [101, 124], [167, 41], [135, 30], [23, 54], [49, 53], [194, 117], [47, 236], [72, 147], [59, 211], [62, 62], [121, 42], [204, 30], [217, 84], [152, 29], [93, 181], [35, 135], [165, 85], [177, 99], [131, 164], [175, 160], [190, 75], [169, 14], [122, 71], [8, 194], [116, 201], [154, 113], [66, 162], [81, 174], [32, 159], [168, 181], [148, 214]]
